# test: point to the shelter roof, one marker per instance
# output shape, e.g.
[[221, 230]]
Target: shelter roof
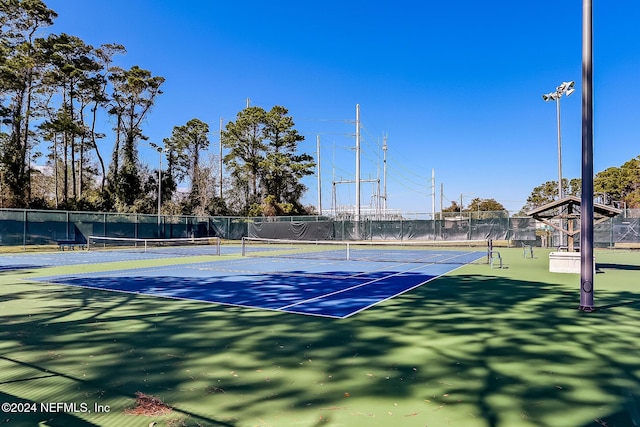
[[554, 209]]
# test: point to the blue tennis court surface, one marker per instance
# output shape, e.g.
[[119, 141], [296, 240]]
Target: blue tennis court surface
[[77, 257], [336, 289]]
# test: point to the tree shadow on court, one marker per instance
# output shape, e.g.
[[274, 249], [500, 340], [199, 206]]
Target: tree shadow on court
[[13, 268], [610, 266], [466, 350]]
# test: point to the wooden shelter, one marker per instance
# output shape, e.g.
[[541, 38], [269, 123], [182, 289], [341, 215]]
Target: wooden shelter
[[568, 209]]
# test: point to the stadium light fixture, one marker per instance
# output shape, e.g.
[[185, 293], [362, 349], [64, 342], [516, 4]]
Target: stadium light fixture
[[566, 88]]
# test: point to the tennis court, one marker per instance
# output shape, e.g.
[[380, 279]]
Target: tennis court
[[476, 347], [123, 250], [330, 280]]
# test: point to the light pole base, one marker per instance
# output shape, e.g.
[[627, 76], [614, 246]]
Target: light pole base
[[587, 308]]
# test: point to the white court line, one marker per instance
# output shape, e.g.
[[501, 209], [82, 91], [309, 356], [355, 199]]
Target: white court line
[[283, 309], [308, 263], [366, 283], [311, 262], [403, 292]]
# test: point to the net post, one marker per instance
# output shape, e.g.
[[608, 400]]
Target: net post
[[218, 244], [348, 251], [243, 247]]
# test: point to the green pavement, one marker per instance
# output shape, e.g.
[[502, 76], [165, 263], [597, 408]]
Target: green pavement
[[479, 347]]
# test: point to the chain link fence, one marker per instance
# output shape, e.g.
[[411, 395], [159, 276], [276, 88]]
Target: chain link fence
[[21, 227]]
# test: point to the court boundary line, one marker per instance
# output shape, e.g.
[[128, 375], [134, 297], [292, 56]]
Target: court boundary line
[[170, 297], [404, 291], [282, 309], [377, 280], [393, 264]]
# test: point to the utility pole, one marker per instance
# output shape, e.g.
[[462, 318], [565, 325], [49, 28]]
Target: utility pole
[[378, 207], [357, 213], [441, 198], [319, 179], [353, 181], [384, 175], [433, 193], [334, 209]]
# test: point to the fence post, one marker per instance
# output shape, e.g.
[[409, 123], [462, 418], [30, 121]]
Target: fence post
[[611, 242], [24, 229]]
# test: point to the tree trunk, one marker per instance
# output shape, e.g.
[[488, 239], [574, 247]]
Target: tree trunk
[[74, 189], [25, 146], [95, 145]]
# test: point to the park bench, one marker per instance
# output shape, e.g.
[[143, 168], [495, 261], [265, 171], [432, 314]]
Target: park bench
[[71, 244], [626, 245]]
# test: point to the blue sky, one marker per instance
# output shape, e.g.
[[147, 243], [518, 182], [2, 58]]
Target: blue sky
[[456, 86]]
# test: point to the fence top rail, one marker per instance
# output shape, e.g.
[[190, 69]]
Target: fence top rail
[[407, 216]]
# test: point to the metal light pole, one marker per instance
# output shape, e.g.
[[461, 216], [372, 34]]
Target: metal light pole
[[220, 165], [566, 88], [159, 149], [319, 177], [358, 181], [470, 213], [586, 202]]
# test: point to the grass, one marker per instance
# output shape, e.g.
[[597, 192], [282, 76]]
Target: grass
[[479, 347]]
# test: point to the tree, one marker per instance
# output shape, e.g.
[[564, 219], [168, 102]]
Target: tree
[[51, 89], [541, 195], [614, 184], [548, 192], [244, 139], [631, 176], [188, 142], [21, 65], [134, 93], [208, 202], [575, 187], [484, 205], [283, 166], [95, 92], [454, 207], [72, 67], [610, 183], [620, 184], [264, 160]]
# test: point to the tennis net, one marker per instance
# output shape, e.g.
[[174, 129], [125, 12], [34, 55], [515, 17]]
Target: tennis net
[[376, 251], [188, 246]]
